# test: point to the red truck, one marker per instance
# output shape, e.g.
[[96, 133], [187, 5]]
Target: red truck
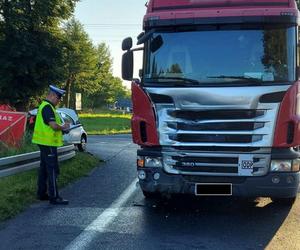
[[216, 110]]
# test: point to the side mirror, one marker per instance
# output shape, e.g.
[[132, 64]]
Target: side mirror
[[127, 65], [127, 43], [140, 35]]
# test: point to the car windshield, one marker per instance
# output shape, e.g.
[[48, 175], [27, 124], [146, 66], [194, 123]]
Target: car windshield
[[221, 55]]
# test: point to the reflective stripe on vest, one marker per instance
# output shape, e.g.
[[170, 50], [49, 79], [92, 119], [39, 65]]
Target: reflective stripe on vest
[[43, 134]]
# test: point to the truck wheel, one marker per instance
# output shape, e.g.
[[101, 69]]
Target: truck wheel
[[284, 201], [82, 145]]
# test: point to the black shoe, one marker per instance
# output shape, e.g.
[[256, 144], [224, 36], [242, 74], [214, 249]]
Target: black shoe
[[59, 201], [44, 197]]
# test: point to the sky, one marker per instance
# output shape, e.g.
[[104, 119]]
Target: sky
[[111, 21]]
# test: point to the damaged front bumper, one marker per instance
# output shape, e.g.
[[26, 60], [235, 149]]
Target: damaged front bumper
[[156, 180]]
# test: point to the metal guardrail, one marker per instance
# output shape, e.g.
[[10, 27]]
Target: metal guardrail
[[19, 163]]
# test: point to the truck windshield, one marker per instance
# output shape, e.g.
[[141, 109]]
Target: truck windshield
[[260, 55]]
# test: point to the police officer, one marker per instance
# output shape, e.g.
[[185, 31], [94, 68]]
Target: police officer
[[48, 135]]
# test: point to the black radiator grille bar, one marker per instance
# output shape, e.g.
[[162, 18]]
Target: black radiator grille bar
[[226, 160], [208, 169], [216, 114], [215, 138], [216, 126]]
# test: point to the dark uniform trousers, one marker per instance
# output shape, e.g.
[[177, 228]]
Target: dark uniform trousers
[[48, 172]]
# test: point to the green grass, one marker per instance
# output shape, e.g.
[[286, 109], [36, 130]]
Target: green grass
[[105, 115], [106, 123], [25, 147], [101, 111], [19, 191]]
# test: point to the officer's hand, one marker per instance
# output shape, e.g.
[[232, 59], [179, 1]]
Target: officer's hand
[[66, 126]]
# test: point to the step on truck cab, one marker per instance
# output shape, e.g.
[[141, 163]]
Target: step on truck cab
[[216, 110]]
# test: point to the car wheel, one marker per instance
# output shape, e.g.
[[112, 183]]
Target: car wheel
[[82, 145]]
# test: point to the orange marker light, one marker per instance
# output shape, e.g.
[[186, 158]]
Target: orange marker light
[[141, 162]]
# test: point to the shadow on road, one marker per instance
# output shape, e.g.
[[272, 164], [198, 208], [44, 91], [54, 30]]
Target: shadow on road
[[214, 222]]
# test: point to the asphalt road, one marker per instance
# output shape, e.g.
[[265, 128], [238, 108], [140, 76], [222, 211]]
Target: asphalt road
[[108, 211]]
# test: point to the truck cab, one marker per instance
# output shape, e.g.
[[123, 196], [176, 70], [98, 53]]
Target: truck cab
[[216, 109]]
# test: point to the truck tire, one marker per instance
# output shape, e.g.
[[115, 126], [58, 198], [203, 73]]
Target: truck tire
[[284, 201]]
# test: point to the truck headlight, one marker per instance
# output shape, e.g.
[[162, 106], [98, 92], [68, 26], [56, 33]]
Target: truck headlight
[[155, 162], [281, 166]]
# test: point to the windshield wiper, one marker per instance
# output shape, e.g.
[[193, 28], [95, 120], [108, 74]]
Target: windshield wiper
[[178, 80], [244, 78]]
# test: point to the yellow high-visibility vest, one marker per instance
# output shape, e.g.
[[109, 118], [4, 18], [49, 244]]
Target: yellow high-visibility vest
[[43, 134]]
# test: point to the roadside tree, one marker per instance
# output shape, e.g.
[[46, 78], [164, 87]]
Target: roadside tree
[[80, 62], [31, 48], [109, 88]]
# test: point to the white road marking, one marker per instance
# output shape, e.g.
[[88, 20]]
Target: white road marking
[[83, 240]]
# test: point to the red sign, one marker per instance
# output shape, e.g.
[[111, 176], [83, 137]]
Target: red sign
[[6, 107], [12, 127]]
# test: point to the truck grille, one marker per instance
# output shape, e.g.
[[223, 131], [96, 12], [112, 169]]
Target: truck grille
[[231, 128], [213, 131], [217, 164], [206, 164]]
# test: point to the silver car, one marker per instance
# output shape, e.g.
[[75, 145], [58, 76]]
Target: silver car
[[76, 134]]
